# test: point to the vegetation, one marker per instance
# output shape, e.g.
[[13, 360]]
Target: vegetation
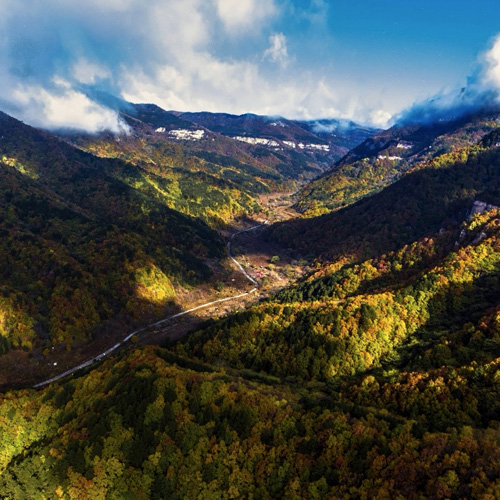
[[376, 376], [347, 320], [434, 195], [142, 427], [383, 159], [80, 247]]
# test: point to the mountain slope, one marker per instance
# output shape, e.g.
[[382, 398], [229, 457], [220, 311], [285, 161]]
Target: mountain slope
[[435, 194], [384, 158], [376, 376], [421, 266], [80, 247], [216, 165], [152, 425], [323, 141]]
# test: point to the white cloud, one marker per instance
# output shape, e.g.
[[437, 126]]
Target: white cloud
[[380, 118], [89, 73], [277, 52], [492, 60], [243, 13], [481, 92], [162, 51], [66, 109]]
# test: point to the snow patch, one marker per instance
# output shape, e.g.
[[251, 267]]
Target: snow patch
[[274, 144], [183, 134], [301, 145], [316, 147], [278, 124], [392, 158], [160, 130], [257, 140]]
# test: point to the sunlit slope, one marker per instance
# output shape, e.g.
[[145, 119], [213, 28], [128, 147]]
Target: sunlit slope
[[386, 157], [151, 425], [81, 247], [410, 266]]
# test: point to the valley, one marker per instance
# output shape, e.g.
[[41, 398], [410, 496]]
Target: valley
[[168, 312], [236, 288], [249, 250]]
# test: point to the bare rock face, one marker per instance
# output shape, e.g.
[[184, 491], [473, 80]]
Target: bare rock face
[[480, 207]]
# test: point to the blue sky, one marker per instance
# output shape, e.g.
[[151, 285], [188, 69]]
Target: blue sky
[[359, 59]]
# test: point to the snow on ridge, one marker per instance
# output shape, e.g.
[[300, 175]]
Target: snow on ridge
[[275, 144], [257, 140], [183, 134], [301, 145], [319, 147], [392, 158]]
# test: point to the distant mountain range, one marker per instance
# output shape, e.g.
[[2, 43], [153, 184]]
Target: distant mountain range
[[316, 143], [382, 159], [323, 140]]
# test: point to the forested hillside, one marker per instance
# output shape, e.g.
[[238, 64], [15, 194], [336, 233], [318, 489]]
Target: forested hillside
[[420, 263], [214, 165], [435, 194], [384, 158], [81, 247], [375, 376], [151, 425]]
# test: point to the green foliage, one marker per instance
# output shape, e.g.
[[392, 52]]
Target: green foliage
[[434, 195], [142, 427], [212, 185], [359, 317], [80, 247], [377, 376], [388, 156]]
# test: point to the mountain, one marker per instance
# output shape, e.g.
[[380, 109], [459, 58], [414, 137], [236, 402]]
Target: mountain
[[249, 153], [386, 156], [194, 170], [324, 141], [102, 231], [376, 375], [82, 247], [398, 320], [149, 424]]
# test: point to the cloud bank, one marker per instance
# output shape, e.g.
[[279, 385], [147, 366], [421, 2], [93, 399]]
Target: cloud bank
[[171, 53], [212, 55], [480, 93]]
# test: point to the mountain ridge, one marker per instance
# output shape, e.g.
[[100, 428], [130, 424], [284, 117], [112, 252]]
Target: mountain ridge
[[389, 155]]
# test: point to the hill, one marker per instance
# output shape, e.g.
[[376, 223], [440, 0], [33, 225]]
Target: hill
[[214, 165], [375, 376], [386, 156], [153, 425], [322, 141], [82, 247]]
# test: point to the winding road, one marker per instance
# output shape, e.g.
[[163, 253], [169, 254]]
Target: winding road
[[158, 323]]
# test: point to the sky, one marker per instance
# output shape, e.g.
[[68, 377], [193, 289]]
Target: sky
[[371, 61]]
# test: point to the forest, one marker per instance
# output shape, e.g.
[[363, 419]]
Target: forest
[[81, 247], [153, 425], [374, 376]]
